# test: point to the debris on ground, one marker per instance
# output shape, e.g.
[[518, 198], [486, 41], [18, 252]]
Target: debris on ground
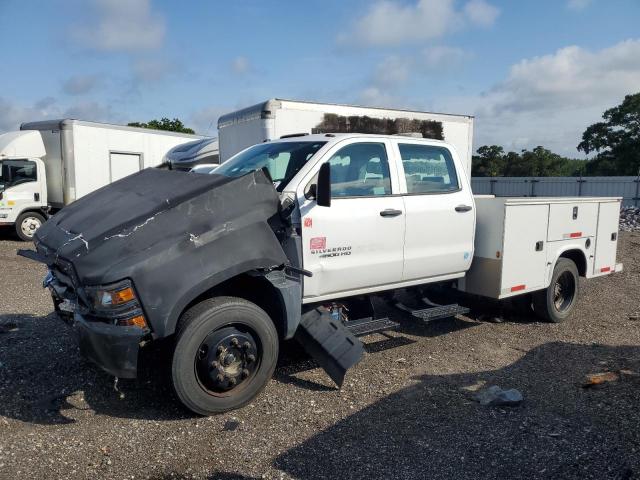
[[635, 316], [496, 396], [595, 379], [231, 424], [630, 219]]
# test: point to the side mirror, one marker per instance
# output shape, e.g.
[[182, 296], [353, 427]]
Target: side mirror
[[323, 187]]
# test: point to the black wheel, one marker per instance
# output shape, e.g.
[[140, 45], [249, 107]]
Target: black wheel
[[225, 353], [557, 302], [27, 225]]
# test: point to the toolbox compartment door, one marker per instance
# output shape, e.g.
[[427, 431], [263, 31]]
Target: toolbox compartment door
[[524, 260], [607, 238], [572, 220]]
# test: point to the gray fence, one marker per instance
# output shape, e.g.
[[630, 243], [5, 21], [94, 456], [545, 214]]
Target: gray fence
[[626, 187]]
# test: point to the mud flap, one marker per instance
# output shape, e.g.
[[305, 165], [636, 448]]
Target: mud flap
[[329, 343]]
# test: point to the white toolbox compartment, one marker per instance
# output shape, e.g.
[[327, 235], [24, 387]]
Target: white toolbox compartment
[[518, 241]]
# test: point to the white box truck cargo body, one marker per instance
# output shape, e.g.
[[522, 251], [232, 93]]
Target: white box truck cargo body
[[49, 164], [276, 118]]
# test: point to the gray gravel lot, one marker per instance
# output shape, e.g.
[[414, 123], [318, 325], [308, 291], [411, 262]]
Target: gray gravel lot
[[406, 411]]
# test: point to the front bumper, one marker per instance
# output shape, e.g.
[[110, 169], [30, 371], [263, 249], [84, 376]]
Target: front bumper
[[113, 348]]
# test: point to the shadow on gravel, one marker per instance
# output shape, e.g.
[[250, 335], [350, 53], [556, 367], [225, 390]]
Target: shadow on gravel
[[45, 380], [8, 233], [435, 429]]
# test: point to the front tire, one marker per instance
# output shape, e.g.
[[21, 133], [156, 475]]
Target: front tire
[[225, 353], [558, 301], [28, 224]]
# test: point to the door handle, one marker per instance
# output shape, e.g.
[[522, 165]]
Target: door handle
[[390, 212], [463, 208]]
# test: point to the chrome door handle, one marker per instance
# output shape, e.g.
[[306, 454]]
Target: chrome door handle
[[463, 208], [390, 212]]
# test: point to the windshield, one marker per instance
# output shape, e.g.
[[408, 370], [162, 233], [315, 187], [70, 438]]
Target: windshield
[[283, 160], [15, 172]]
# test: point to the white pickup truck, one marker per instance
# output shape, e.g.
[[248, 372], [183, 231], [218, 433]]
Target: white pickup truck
[[293, 238]]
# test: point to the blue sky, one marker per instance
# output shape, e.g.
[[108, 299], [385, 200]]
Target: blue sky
[[532, 72]]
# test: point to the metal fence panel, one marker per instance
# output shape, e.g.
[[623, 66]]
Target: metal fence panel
[[626, 187]]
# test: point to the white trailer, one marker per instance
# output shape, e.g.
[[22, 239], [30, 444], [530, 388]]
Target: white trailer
[[47, 165], [277, 118]]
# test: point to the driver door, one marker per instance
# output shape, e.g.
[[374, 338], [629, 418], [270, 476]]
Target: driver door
[[356, 244]]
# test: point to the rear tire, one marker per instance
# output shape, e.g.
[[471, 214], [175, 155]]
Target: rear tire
[[558, 301], [28, 224], [225, 353]]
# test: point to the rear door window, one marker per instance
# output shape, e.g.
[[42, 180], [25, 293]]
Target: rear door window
[[428, 169]]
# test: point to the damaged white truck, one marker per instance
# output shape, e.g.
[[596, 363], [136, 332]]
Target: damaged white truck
[[293, 238]]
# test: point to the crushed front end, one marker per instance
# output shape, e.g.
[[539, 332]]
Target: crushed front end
[[108, 320]]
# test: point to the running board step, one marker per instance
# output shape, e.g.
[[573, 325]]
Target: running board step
[[329, 343], [435, 313], [368, 325]]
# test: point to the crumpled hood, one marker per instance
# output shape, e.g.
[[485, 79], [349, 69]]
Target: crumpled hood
[[121, 209], [168, 231]]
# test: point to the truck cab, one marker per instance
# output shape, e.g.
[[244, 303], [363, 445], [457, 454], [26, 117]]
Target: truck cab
[[23, 183], [397, 190]]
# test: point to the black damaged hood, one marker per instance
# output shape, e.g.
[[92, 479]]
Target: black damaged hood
[[167, 230]]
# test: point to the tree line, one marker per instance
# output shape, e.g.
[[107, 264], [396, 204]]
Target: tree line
[[615, 141]]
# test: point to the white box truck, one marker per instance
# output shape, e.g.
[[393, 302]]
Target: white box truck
[[47, 165], [277, 118], [293, 238]]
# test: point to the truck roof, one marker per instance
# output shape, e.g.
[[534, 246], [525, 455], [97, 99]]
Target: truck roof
[[68, 123], [327, 137]]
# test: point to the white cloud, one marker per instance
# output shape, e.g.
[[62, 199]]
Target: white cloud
[[13, 114], [392, 23], [442, 57], [205, 120], [122, 25], [578, 4], [240, 65], [481, 13], [550, 100], [147, 70], [80, 84], [90, 110], [392, 71]]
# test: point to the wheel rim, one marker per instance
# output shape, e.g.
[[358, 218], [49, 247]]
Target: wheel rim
[[227, 360], [29, 226], [564, 291]]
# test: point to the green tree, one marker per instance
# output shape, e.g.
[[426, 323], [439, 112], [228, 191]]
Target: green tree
[[489, 162], [164, 123], [616, 140]]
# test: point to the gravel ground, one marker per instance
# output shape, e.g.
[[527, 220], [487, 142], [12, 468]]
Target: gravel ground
[[406, 411]]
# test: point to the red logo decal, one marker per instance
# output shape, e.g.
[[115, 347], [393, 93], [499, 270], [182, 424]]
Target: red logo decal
[[308, 222], [318, 243]]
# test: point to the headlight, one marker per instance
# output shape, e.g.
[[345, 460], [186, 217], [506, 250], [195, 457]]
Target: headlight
[[119, 302], [106, 297]]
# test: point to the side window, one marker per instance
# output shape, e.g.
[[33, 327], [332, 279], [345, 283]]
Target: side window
[[428, 169], [16, 172], [360, 170]]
